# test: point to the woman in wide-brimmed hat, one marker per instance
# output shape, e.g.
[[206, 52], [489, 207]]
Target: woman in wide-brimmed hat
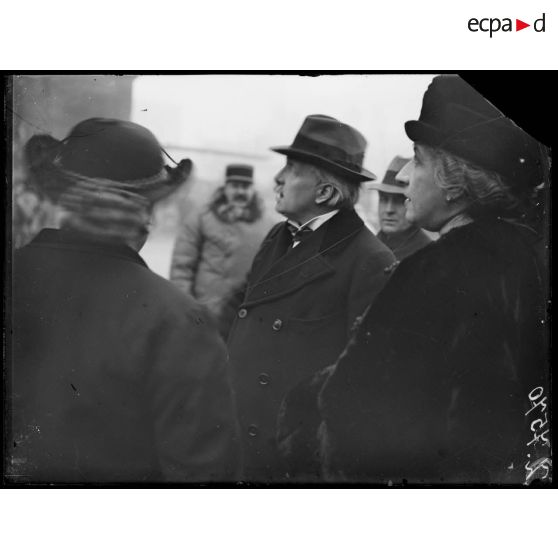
[[442, 379], [116, 376]]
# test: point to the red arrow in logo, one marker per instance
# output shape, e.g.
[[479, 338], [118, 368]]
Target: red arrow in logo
[[519, 25]]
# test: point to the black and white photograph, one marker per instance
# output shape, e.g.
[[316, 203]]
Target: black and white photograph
[[274, 280]]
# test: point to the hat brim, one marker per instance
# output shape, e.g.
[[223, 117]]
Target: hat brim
[[305, 156], [173, 178], [419, 132], [388, 188]]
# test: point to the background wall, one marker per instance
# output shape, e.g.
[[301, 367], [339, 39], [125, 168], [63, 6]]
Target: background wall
[[53, 105]]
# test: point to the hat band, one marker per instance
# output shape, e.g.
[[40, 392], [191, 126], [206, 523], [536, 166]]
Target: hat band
[[236, 171], [390, 179], [477, 126], [334, 154], [241, 177], [103, 207]]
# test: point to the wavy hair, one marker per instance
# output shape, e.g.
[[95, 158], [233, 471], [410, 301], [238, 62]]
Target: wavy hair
[[486, 191], [346, 191]]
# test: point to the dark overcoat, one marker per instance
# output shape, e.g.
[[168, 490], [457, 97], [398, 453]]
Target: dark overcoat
[[446, 377], [296, 316], [116, 375], [406, 243]]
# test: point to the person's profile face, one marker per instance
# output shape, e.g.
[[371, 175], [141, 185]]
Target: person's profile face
[[239, 192], [391, 211], [295, 191], [426, 202]]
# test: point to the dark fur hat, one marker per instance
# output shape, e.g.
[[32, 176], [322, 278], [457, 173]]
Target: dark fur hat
[[458, 119]]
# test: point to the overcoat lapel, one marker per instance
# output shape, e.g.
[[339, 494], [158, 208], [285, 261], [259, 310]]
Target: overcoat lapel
[[281, 271]]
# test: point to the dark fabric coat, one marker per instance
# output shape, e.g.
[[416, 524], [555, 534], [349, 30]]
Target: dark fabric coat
[[435, 385], [116, 375], [296, 316], [405, 243]]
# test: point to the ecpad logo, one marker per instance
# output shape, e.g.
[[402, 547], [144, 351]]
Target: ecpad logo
[[494, 24]]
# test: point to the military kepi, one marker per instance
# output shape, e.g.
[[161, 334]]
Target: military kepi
[[242, 173]]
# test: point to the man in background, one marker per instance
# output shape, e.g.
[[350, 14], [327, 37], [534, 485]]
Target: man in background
[[399, 235], [215, 247]]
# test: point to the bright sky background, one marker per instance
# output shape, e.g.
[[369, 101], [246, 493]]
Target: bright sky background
[[247, 114], [221, 119]]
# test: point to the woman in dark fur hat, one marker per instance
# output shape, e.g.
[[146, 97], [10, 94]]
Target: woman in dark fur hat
[[445, 380]]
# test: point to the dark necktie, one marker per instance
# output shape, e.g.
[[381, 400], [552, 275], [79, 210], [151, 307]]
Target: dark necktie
[[298, 233]]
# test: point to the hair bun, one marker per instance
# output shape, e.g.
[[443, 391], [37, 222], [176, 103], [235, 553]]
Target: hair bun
[[40, 151], [39, 155]]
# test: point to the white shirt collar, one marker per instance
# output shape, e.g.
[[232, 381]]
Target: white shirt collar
[[316, 222]]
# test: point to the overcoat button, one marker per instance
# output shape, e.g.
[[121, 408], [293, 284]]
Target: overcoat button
[[391, 268], [277, 325], [264, 379], [252, 430], [242, 313]]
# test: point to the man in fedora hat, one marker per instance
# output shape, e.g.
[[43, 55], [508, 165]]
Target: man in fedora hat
[[314, 274], [116, 376], [215, 247], [401, 236]]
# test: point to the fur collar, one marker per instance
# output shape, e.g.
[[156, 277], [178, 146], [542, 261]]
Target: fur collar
[[228, 213]]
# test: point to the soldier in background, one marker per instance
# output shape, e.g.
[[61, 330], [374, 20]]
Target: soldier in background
[[215, 247]]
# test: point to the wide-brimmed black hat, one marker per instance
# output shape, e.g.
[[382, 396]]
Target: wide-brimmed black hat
[[326, 142], [240, 173], [123, 152], [391, 184], [458, 119], [106, 175]]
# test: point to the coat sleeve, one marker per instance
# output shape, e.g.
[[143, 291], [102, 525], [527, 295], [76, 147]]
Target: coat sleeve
[[230, 307], [298, 428], [194, 415], [187, 252], [431, 389], [495, 425]]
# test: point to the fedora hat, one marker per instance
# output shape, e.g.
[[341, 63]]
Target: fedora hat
[[241, 173], [392, 182], [326, 142], [456, 118]]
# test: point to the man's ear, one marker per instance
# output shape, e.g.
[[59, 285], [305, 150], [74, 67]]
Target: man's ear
[[326, 193]]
